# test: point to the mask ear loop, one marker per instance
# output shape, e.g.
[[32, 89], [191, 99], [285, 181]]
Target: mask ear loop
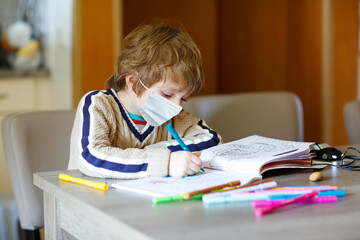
[[133, 106], [144, 85]]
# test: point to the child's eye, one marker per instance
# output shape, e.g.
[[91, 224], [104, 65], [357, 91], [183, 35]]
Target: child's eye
[[184, 99], [166, 95]]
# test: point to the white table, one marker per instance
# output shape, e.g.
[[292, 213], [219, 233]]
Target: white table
[[76, 211]]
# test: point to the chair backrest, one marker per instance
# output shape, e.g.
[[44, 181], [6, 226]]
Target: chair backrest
[[34, 142], [270, 114], [352, 121]]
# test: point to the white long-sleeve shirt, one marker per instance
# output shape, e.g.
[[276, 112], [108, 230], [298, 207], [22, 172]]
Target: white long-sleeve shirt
[[106, 143]]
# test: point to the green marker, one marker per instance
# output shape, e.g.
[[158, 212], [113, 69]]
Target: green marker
[[157, 200]]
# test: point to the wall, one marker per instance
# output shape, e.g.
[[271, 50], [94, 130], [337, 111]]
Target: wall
[[56, 28], [273, 45], [38, 90], [59, 47], [199, 19], [307, 47], [94, 47], [344, 69]]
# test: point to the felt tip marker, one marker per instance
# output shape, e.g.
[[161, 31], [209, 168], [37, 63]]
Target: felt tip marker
[[193, 195], [315, 188], [246, 188], [306, 186], [337, 193], [230, 199], [263, 195], [267, 203], [98, 185], [157, 200], [214, 188], [261, 211]]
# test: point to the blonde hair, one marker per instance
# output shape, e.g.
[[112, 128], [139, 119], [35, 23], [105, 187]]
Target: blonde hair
[[158, 52]]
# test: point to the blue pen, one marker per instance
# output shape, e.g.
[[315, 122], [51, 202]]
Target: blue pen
[[176, 136]]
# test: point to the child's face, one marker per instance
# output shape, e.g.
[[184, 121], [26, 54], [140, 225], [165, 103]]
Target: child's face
[[168, 89]]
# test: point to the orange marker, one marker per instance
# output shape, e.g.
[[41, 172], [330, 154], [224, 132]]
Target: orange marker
[[206, 190]]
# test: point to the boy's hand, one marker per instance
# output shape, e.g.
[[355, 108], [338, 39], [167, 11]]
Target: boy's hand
[[184, 163]]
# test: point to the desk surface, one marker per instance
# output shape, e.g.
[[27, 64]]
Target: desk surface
[[132, 215]]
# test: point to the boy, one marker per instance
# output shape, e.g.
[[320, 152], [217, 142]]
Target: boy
[[120, 132]]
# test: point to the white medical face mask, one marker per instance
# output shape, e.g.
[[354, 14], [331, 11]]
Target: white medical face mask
[[157, 109]]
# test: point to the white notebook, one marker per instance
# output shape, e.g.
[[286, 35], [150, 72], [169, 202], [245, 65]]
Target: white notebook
[[256, 154], [173, 186], [244, 159]]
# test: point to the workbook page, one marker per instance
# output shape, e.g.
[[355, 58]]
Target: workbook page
[[173, 186], [249, 154]]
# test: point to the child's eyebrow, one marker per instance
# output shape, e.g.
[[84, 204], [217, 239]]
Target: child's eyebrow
[[173, 89], [176, 88]]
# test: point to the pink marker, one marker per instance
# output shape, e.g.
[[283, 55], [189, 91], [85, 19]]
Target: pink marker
[[268, 192], [261, 211], [267, 203], [322, 188]]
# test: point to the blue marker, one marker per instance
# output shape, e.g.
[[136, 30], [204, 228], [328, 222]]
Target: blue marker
[[216, 199], [176, 136], [338, 193]]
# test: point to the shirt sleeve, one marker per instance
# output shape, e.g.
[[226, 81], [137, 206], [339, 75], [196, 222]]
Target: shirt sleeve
[[201, 136], [98, 154]]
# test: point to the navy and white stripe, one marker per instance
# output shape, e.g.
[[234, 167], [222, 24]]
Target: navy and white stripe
[[117, 166], [141, 137], [89, 154], [195, 147]]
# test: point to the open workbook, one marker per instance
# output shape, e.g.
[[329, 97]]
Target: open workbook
[[244, 159], [254, 155]]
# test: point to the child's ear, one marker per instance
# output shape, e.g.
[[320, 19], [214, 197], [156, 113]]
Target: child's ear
[[130, 80]]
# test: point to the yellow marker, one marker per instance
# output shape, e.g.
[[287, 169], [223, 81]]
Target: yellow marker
[[101, 186]]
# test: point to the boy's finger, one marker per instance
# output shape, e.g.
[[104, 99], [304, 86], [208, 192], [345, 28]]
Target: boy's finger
[[194, 168], [195, 159], [197, 153], [190, 172]]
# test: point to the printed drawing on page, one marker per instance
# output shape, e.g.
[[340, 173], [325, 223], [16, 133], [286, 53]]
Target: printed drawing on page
[[248, 155]]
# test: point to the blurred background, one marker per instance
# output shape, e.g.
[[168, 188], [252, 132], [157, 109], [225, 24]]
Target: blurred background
[[309, 47], [54, 51]]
